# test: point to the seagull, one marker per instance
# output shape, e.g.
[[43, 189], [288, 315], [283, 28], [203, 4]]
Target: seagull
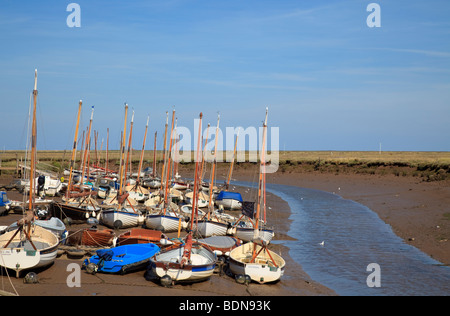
[[322, 243]]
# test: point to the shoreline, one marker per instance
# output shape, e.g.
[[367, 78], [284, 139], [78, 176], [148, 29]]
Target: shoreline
[[416, 210], [52, 280]]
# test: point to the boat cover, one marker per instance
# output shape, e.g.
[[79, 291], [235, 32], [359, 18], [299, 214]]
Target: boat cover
[[229, 195]]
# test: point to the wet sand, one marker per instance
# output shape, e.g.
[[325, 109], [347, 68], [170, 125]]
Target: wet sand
[[416, 210], [52, 280]]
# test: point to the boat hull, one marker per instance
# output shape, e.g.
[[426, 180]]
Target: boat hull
[[229, 204], [77, 214], [262, 269], [124, 258], [248, 234], [123, 218], [201, 267], [20, 256], [164, 223], [207, 228]]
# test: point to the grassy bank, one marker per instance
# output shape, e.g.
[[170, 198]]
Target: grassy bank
[[430, 166]]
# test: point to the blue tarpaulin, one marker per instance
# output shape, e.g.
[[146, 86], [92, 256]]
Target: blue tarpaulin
[[229, 195]]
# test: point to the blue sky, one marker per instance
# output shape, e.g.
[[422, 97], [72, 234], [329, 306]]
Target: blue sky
[[330, 81]]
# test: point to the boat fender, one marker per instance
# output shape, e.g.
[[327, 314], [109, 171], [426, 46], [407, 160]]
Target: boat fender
[[166, 281], [165, 242], [92, 268], [31, 278], [118, 224]]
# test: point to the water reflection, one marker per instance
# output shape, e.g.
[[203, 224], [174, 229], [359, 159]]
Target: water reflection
[[354, 236]]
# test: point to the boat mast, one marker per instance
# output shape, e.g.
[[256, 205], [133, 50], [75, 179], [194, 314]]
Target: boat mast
[[30, 212], [261, 170], [175, 155], [164, 151], [204, 154], [142, 153], [154, 156], [194, 196], [107, 149], [123, 148], [74, 150], [232, 162], [129, 146], [33, 153], [88, 140], [211, 183], [168, 164]]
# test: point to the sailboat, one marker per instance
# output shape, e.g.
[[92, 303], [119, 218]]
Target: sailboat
[[211, 224], [227, 199], [118, 215], [29, 246], [254, 258], [152, 182], [165, 216], [73, 209], [189, 262]]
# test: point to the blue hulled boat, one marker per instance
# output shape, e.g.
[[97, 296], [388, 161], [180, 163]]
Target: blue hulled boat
[[121, 259]]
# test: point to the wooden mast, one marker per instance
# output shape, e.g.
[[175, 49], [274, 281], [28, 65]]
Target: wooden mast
[[194, 196], [211, 183], [29, 217], [154, 156], [74, 150], [142, 153], [203, 154], [261, 171], [232, 162], [30, 212], [166, 193], [123, 148], [129, 146], [88, 140], [107, 149], [164, 151]]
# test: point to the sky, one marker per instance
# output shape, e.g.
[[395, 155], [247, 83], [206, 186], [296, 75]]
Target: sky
[[330, 81]]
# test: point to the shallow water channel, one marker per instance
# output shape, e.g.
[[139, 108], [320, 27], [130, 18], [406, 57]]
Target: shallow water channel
[[354, 237]]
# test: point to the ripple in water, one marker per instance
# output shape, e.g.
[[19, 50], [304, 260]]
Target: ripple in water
[[354, 237]]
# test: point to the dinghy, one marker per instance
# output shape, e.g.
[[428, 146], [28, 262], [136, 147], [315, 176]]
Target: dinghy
[[18, 252], [220, 245], [259, 263], [191, 262], [73, 212], [168, 222], [54, 224], [140, 236], [254, 258], [229, 200], [121, 259], [123, 217], [92, 237], [29, 246]]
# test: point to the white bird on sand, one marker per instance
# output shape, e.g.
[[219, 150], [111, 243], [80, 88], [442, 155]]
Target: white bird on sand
[[322, 243]]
